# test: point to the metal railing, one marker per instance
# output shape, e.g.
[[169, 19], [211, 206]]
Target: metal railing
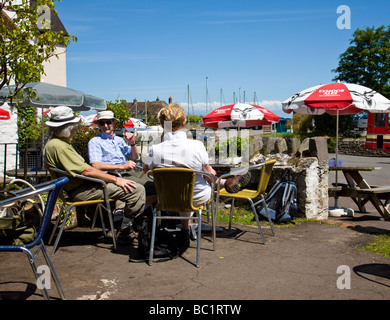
[[26, 161], [22, 161]]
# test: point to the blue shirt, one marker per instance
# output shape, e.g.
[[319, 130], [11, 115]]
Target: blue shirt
[[107, 149]]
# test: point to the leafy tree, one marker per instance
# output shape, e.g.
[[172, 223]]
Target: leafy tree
[[81, 139], [302, 123], [120, 110], [27, 40], [367, 60], [28, 125]]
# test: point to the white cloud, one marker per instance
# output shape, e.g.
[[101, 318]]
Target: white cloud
[[199, 108]]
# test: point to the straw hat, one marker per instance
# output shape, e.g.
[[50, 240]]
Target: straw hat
[[61, 116]]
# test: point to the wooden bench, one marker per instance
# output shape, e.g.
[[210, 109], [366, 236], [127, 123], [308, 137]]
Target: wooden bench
[[378, 196]]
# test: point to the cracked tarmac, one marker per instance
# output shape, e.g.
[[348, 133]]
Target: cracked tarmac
[[306, 261]]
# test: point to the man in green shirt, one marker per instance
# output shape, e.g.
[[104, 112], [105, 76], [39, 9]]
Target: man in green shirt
[[60, 154]]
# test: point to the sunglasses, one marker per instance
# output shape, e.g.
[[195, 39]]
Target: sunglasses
[[102, 122]]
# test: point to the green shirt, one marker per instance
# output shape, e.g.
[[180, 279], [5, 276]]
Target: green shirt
[[61, 155]]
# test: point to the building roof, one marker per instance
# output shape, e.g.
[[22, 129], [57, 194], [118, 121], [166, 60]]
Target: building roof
[[152, 107], [56, 22]]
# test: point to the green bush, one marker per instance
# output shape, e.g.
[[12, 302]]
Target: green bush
[[234, 143]]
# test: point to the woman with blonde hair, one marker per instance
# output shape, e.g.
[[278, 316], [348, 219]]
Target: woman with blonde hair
[[175, 150]]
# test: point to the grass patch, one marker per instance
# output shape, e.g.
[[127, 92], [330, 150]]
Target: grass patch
[[380, 246], [240, 215], [245, 216]]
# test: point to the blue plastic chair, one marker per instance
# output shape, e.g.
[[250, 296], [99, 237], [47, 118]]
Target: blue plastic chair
[[53, 188]]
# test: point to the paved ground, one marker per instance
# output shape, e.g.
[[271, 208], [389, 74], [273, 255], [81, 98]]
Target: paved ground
[[309, 260]]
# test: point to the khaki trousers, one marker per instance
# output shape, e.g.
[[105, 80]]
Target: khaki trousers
[[132, 203]]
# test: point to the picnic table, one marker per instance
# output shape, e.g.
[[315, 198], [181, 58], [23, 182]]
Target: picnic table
[[361, 192]]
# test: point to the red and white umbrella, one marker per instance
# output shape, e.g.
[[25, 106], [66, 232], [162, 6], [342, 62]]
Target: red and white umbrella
[[239, 115], [135, 123], [336, 98], [4, 115]]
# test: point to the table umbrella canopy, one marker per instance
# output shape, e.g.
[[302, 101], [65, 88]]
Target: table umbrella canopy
[[4, 115], [238, 115], [48, 95], [336, 98], [135, 123]]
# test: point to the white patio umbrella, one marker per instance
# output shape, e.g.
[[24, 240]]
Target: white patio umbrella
[[50, 95]]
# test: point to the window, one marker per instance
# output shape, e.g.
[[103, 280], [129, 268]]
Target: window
[[379, 120]]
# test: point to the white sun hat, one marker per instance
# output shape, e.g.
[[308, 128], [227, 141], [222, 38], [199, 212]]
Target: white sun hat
[[105, 115], [60, 116]]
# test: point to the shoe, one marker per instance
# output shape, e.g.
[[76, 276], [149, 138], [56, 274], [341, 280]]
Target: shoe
[[118, 215], [233, 185], [83, 220]]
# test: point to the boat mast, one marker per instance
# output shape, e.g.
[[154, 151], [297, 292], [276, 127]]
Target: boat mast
[[188, 103], [207, 93]]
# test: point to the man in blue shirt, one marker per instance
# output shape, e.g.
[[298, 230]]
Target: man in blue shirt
[[109, 152]]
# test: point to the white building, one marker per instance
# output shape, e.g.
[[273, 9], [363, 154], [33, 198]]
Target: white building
[[55, 70]]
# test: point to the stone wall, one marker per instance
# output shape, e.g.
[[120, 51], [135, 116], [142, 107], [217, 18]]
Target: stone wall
[[309, 173], [357, 147]]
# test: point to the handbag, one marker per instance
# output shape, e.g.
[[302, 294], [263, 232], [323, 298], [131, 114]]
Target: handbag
[[18, 220]]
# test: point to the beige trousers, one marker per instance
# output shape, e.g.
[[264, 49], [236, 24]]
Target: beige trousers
[[132, 203]]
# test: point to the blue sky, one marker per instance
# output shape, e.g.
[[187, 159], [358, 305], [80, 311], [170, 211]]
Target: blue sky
[[267, 50]]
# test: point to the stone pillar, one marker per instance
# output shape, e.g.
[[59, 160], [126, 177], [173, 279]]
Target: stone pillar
[[311, 179], [314, 147]]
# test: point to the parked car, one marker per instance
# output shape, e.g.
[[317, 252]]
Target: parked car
[[360, 121]]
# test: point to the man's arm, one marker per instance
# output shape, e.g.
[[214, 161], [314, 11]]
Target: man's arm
[[209, 169], [129, 165], [130, 138], [92, 172]]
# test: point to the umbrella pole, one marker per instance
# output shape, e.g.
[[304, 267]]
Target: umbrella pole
[[337, 153]]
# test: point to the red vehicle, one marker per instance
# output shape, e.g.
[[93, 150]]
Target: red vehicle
[[378, 131]]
